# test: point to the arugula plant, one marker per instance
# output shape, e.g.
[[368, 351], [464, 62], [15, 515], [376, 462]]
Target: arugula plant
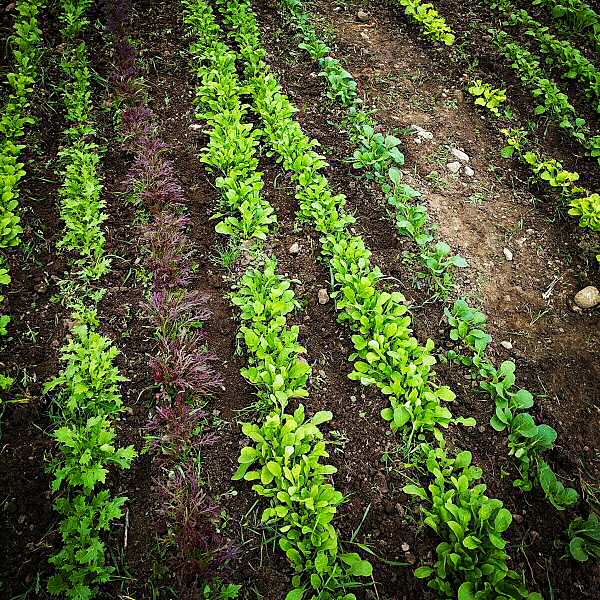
[[573, 62], [86, 396], [377, 152], [552, 101], [86, 392], [81, 562], [582, 203], [527, 441]]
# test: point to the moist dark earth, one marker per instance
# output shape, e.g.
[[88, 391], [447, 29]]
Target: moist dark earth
[[529, 302]]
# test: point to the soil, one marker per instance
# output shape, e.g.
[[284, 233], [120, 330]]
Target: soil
[[528, 302]]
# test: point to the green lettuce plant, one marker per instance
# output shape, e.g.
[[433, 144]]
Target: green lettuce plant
[[429, 18], [285, 463], [584, 538], [489, 97], [471, 561]]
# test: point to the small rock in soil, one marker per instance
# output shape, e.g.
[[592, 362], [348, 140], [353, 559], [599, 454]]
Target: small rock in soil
[[508, 254], [462, 156], [518, 518], [588, 297], [363, 16], [423, 133], [469, 172], [506, 344], [323, 296], [196, 127], [453, 167], [294, 248], [405, 547], [459, 96]]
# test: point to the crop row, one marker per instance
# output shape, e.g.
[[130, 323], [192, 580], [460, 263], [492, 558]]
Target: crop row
[[85, 395], [574, 15], [285, 458], [392, 358], [181, 367], [26, 43], [582, 203], [574, 63], [551, 100]]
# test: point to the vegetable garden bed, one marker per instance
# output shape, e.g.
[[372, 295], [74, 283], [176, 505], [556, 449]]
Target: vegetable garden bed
[[390, 310]]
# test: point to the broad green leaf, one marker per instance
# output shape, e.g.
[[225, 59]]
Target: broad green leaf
[[423, 572], [503, 520]]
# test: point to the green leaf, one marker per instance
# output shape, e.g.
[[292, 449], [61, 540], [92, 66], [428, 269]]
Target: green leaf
[[445, 393], [414, 490], [322, 417], [296, 594], [423, 572], [274, 468], [471, 542], [577, 549], [503, 520], [358, 566], [466, 591], [247, 455]]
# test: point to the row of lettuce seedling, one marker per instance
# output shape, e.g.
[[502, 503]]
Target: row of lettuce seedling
[[527, 440], [86, 398], [581, 202], [471, 557], [285, 458], [26, 43], [181, 366], [550, 99], [428, 19]]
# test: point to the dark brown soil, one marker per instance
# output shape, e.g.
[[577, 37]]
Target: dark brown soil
[[556, 349]]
